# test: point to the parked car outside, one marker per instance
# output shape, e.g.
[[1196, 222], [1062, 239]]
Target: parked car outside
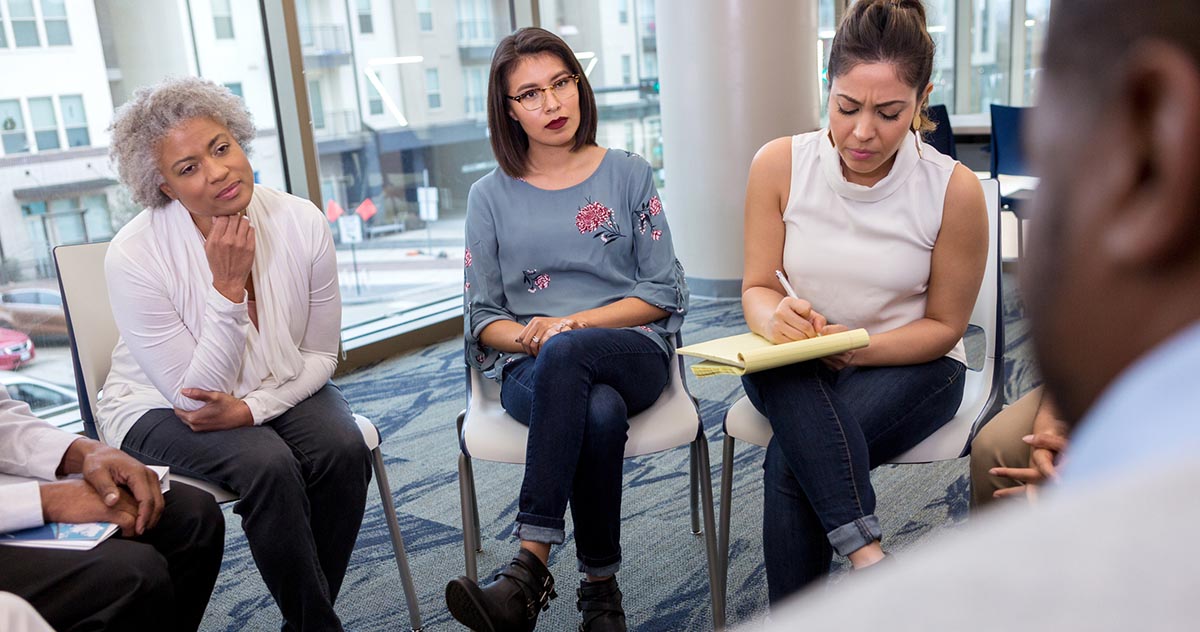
[[16, 349], [51, 402], [35, 311]]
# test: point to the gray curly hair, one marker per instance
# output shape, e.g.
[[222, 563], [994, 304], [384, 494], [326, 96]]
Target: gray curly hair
[[140, 124]]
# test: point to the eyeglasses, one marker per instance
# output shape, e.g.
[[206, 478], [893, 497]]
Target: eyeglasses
[[535, 98]]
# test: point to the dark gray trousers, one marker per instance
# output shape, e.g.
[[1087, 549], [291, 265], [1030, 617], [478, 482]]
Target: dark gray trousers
[[160, 580], [303, 481]]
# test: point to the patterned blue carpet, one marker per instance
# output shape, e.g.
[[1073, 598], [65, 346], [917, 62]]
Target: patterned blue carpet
[[414, 400]]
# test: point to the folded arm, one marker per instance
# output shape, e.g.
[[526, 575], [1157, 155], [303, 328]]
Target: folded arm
[[171, 355]]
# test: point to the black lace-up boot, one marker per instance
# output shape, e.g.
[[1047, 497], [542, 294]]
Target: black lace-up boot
[[511, 603], [600, 606]]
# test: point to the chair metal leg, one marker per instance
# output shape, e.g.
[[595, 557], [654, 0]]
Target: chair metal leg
[[726, 500], [710, 538], [474, 505], [694, 495], [389, 512], [466, 500]]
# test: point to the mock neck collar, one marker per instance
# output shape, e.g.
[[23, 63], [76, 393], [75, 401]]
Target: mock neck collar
[[831, 166]]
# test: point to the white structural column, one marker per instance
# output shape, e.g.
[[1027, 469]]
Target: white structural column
[[734, 75]]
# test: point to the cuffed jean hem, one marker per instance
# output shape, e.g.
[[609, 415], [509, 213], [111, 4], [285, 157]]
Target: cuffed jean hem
[[534, 533], [853, 536], [606, 570]]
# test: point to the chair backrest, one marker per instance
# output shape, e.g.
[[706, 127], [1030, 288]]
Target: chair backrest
[[1007, 156], [90, 325], [988, 313], [983, 390], [941, 138]]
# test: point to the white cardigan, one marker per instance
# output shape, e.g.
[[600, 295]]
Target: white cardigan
[[177, 331]]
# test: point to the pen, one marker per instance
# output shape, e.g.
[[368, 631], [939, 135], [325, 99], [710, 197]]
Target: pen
[[787, 287]]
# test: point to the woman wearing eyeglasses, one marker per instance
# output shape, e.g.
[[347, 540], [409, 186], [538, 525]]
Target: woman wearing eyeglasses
[[874, 229], [573, 297]]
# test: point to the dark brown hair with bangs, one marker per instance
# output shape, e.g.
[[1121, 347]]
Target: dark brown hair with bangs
[[509, 141]]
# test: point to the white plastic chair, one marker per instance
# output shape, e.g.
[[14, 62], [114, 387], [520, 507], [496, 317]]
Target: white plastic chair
[[94, 336], [982, 391], [487, 432]]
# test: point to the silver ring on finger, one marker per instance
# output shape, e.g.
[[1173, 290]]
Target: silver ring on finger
[[536, 339]]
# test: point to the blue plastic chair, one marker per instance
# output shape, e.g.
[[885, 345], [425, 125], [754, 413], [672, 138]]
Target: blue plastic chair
[[1009, 159], [941, 138]]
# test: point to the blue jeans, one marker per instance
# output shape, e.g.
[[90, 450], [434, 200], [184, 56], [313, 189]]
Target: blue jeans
[[576, 397], [302, 478], [831, 428]]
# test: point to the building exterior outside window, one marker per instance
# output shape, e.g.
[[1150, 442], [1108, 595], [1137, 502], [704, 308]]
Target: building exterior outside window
[[54, 20], [75, 120], [366, 24], [24, 23], [44, 123], [222, 19], [433, 88]]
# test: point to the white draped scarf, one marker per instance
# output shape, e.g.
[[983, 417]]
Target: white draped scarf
[[270, 349]]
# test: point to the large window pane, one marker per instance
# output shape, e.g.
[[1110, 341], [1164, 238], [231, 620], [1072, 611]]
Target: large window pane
[[626, 92], [62, 93], [940, 16], [1037, 15], [990, 49], [412, 128]]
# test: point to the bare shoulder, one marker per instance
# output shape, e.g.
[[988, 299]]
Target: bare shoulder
[[771, 169], [964, 199], [775, 156]]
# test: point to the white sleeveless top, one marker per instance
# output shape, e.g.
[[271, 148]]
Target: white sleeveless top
[[861, 255]]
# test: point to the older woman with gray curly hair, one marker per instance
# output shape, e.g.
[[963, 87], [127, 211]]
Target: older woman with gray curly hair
[[226, 296]]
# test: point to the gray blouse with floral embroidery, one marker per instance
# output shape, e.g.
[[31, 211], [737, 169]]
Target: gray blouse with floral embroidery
[[533, 252]]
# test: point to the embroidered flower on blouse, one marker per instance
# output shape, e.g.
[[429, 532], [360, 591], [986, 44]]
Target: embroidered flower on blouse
[[596, 216], [467, 258], [535, 281], [645, 215]]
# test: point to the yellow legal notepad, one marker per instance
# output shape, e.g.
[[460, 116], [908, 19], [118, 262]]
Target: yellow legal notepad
[[749, 352]]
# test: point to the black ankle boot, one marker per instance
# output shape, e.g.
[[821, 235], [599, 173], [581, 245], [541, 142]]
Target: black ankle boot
[[510, 603], [600, 606]]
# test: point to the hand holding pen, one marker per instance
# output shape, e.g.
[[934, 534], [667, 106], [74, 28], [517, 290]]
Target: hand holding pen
[[801, 307]]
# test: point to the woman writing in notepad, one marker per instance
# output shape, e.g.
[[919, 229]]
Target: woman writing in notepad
[[573, 299], [874, 229]]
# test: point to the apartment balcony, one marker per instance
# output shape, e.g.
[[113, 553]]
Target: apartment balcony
[[325, 45], [336, 124]]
